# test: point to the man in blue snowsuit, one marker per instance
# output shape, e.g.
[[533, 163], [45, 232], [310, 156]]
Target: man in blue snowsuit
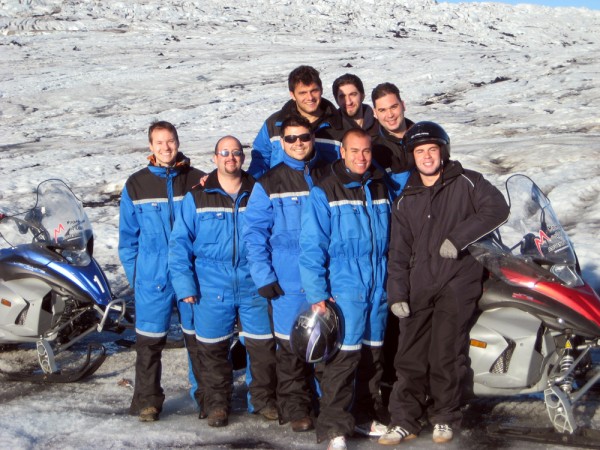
[[207, 260], [327, 123], [344, 243], [273, 219], [150, 201]]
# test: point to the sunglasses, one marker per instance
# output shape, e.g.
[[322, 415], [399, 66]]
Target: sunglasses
[[225, 153], [291, 138]]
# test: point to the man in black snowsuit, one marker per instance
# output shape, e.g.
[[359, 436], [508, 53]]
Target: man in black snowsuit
[[349, 94], [434, 283], [388, 153]]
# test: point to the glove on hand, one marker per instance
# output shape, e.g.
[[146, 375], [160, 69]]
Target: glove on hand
[[448, 250], [400, 310], [271, 291]]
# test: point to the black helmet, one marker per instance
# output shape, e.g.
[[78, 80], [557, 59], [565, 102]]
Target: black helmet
[[423, 132], [316, 337]]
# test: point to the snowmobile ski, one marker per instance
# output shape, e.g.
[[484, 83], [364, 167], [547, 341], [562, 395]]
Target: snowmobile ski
[[582, 438], [89, 366]]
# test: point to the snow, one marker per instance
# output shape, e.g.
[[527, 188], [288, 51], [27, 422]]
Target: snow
[[516, 87]]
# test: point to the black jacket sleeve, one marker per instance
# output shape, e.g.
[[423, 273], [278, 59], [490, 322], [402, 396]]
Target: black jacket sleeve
[[399, 256], [491, 211]]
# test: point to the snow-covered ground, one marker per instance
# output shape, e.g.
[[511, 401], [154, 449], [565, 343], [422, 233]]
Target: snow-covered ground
[[516, 87]]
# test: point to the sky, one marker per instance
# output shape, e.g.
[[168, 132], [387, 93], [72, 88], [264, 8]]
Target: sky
[[80, 82], [591, 4]]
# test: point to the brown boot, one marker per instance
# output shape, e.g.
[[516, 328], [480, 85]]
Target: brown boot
[[218, 417], [269, 412], [149, 414], [304, 424]]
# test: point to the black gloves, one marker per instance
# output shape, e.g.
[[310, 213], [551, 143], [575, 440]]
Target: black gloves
[[271, 291]]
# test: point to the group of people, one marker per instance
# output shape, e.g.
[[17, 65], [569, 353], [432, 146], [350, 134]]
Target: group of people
[[354, 205]]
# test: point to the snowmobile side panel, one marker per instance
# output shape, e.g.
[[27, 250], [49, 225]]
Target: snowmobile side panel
[[509, 359]]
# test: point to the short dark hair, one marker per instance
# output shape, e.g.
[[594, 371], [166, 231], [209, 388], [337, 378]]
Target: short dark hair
[[225, 137], [347, 78], [305, 75], [383, 89], [162, 125], [295, 120], [356, 132]]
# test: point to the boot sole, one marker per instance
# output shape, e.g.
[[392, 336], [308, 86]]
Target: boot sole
[[148, 418], [397, 442]]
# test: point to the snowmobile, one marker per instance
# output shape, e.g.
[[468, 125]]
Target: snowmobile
[[537, 320], [53, 293]]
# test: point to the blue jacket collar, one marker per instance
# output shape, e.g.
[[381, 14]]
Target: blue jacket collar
[[299, 165], [181, 162]]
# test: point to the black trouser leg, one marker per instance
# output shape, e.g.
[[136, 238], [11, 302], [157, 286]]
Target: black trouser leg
[[390, 347], [432, 359], [215, 375], [147, 389], [337, 387], [191, 344], [408, 398], [448, 356], [294, 376], [367, 398], [262, 370]]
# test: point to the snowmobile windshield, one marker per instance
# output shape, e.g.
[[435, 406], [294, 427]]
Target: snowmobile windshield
[[532, 238], [57, 220]]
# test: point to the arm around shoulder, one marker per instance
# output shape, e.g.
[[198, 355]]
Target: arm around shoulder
[[261, 153]]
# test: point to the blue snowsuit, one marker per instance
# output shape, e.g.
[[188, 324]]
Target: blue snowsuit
[[150, 201], [344, 244], [207, 260], [273, 220]]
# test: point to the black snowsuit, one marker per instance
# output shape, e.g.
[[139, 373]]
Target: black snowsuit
[[387, 149], [432, 348]]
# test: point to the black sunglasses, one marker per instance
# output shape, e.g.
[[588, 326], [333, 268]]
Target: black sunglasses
[[291, 138], [225, 153]]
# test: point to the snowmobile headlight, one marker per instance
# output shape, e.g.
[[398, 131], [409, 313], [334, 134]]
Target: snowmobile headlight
[[77, 257], [567, 274]]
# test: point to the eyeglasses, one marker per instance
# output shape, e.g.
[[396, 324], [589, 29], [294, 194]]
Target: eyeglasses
[[225, 153], [291, 138]]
